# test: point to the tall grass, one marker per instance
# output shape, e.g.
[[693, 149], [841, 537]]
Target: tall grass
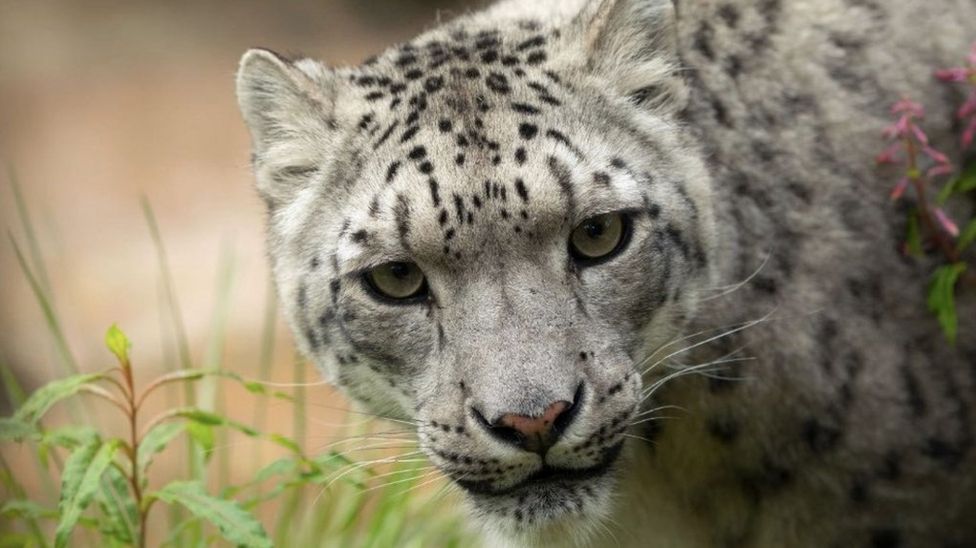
[[367, 486]]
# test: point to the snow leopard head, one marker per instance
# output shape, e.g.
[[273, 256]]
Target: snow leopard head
[[484, 231]]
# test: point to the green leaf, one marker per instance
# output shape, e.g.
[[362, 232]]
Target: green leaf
[[913, 237], [286, 442], [26, 509], [967, 179], [118, 344], [235, 524], [941, 300], [16, 430], [154, 442], [14, 539], [967, 236], [80, 481], [43, 398], [68, 436], [203, 434], [120, 518], [15, 392]]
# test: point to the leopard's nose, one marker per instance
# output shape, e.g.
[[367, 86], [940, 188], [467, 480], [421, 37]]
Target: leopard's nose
[[535, 434], [534, 426]]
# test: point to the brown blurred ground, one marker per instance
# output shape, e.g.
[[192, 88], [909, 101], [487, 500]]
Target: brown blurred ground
[[102, 102]]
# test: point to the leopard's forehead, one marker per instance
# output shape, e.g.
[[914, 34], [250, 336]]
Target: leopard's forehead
[[465, 138]]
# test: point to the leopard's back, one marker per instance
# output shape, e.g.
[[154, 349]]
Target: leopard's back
[[854, 421]]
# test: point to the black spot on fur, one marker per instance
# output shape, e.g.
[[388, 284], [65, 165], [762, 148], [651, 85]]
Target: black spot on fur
[[433, 84], [703, 41], [521, 190], [434, 192], [724, 429], [523, 108], [520, 155], [402, 216], [858, 492], [729, 14], [914, 393], [409, 133], [528, 131], [498, 83], [534, 42], [820, 437], [885, 538], [945, 452], [360, 236], [417, 153], [386, 134]]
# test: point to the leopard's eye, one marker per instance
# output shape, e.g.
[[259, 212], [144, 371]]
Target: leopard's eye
[[398, 281], [598, 238]]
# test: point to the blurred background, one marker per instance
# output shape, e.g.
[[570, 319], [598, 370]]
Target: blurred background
[[104, 102]]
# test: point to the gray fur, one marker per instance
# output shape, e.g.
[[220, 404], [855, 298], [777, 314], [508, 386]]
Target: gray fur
[[740, 136]]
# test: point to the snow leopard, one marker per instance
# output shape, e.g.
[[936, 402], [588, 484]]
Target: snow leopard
[[627, 267]]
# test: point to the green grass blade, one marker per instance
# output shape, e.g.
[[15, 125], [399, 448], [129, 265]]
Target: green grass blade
[[267, 354], [194, 467], [33, 247], [166, 278], [50, 317], [288, 516], [12, 387], [8, 480], [210, 395]]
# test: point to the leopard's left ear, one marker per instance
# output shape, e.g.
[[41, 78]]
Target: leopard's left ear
[[633, 44]]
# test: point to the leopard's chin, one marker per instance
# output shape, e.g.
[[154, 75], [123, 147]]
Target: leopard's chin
[[554, 513], [551, 507]]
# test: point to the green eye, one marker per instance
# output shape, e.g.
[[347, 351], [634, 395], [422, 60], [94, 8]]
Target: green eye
[[398, 281], [598, 237]]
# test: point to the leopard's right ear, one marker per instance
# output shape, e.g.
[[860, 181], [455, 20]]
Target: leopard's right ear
[[289, 108]]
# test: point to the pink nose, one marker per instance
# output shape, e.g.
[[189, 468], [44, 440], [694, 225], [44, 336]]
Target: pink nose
[[532, 427]]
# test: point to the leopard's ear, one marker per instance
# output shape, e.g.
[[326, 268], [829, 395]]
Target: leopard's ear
[[289, 108], [633, 45]]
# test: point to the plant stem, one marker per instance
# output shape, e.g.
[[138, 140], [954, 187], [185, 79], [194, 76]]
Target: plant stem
[[134, 480], [920, 183]]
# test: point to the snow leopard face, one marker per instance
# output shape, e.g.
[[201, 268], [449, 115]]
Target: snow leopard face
[[484, 232]]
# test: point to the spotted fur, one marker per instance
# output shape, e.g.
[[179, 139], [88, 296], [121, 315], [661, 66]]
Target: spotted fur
[[737, 137]]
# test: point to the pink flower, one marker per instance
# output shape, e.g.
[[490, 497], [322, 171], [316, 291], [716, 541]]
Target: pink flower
[[889, 155], [899, 188], [969, 134], [955, 74], [909, 107], [935, 155], [941, 169], [898, 129], [967, 108], [920, 135], [947, 224]]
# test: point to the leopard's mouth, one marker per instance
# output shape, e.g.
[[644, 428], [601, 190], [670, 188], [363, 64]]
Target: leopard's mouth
[[547, 478]]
